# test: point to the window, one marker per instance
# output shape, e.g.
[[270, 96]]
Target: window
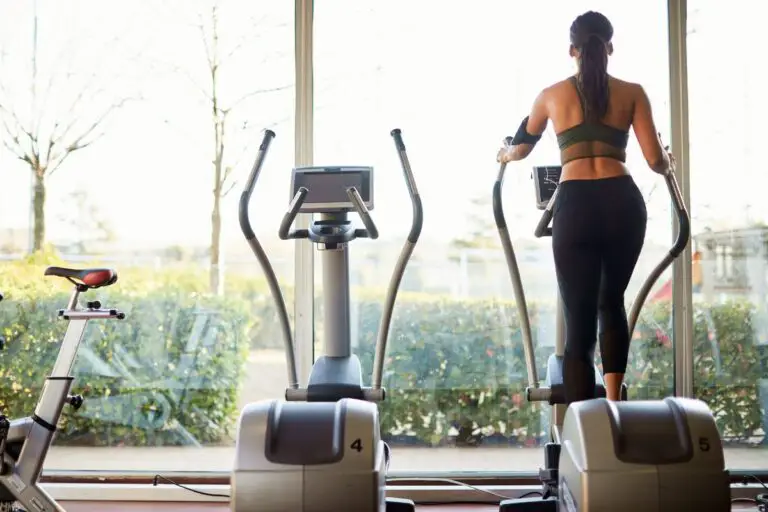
[[199, 339], [456, 79], [729, 224]]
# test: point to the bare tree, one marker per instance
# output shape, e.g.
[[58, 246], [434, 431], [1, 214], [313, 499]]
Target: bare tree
[[223, 125], [45, 137]]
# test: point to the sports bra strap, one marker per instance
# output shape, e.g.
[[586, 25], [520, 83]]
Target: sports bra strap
[[582, 101]]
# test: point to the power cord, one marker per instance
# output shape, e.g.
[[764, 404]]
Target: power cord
[[747, 478], [461, 484], [761, 500], [157, 479], [211, 494]]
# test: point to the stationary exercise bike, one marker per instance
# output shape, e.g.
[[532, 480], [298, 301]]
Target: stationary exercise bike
[[615, 454], [24, 442], [321, 450]]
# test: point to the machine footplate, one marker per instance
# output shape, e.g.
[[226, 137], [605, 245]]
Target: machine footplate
[[529, 505], [400, 505]]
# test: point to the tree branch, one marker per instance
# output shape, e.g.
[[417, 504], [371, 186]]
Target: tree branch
[[227, 173], [12, 141], [13, 149], [69, 125], [247, 149], [255, 93], [79, 142], [208, 53], [44, 103], [254, 35], [232, 185]]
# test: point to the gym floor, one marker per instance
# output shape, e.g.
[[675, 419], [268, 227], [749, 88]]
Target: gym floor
[[94, 506]]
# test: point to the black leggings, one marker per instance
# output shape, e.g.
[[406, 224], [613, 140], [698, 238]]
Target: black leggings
[[598, 232]]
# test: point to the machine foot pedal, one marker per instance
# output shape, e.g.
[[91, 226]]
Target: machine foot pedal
[[529, 505], [400, 505]]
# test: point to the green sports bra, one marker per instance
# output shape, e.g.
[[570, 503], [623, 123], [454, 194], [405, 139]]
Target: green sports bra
[[590, 139]]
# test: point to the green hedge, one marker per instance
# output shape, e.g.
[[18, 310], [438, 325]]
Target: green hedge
[[455, 369], [170, 373]]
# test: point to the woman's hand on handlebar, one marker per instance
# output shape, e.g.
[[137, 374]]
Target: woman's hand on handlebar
[[507, 154], [672, 161], [670, 158]]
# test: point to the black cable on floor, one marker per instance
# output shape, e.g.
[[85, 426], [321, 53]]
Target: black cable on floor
[[212, 494]]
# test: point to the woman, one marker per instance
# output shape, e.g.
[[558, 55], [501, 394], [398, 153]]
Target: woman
[[599, 215]]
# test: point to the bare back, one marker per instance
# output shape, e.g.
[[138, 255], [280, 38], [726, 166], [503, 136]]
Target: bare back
[[628, 106]]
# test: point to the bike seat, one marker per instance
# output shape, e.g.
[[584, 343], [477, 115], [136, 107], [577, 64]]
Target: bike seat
[[89, 277]]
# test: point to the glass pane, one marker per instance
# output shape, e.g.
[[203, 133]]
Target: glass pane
[[730, 239], [457, 78], [164, 387]]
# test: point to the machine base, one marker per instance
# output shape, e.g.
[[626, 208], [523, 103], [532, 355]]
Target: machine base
[[643, 456], [400, 505], [529, 505], [549, 476]]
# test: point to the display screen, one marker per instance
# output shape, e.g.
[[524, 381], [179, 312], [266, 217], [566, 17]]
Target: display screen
[[328, 188], [546, 179]]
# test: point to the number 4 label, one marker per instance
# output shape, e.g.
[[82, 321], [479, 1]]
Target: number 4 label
[[357, 445]]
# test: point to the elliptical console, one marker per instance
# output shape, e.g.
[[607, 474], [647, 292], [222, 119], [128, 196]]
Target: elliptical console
[[320, 450]]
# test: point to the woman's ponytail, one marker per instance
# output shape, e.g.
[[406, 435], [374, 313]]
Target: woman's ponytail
[[593, 77], [591, 34]]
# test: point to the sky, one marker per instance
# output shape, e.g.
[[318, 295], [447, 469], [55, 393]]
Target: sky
[[456, 79]]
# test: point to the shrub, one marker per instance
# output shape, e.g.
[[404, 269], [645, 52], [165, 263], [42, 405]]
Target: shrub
[[171, 372], [456, 370], [168, 374]]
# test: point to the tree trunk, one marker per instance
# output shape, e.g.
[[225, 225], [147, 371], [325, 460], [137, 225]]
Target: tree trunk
[[216, 285], [38, 208], [215, 271]]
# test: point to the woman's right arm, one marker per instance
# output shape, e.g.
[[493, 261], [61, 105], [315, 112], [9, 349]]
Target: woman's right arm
[[647, 136]]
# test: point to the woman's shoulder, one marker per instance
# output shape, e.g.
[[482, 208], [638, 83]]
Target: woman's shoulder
[[623, 83], [557, 87]]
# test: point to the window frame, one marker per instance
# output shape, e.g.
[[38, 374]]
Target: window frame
[[682, 268]]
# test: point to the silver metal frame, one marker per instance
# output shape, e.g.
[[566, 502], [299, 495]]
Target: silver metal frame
[[339, 366], [37, 432]]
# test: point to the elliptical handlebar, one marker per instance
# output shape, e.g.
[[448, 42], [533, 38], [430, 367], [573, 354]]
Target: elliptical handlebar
[[370, 231], [284, 232], [543, 228], [258, 251], [405, 254], [514, 274], [683, 236]]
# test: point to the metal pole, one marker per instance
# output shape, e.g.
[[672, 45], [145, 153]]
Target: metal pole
[[682, 298], [304, 285]]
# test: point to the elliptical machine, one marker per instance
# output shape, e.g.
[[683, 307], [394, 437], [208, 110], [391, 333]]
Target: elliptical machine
[[24, 442], [615, 453], [320, 450]]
